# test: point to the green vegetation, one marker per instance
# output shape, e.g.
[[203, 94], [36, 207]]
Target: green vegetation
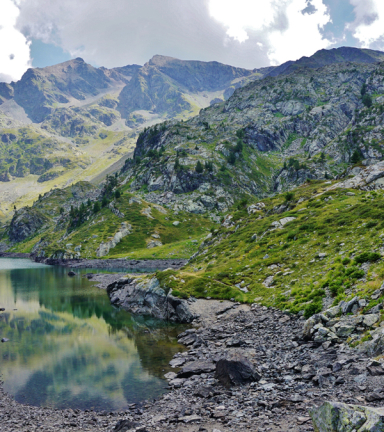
[[318, 254]]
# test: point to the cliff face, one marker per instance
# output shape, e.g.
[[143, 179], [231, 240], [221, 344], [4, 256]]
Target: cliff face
[[26, 223]]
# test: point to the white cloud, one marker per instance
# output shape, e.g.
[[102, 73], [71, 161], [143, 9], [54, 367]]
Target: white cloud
[[302, 36], [241, 15], [289, 29], [14, 47], [368, 26]]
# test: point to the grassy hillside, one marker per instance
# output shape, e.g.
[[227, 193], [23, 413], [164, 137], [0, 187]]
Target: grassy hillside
[[155, 232], [329, 252]]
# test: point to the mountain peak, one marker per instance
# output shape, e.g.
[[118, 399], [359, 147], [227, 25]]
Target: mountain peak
[[160, 60]]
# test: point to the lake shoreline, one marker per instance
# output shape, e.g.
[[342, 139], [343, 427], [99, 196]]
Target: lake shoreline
[[268, 338], [104, 264]]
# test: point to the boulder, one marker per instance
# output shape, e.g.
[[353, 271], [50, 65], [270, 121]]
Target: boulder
[[235, 370], [339, 417], [71, 273], [197, 367], [125, 426]]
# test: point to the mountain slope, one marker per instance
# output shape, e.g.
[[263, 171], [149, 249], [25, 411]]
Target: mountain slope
[[327, 57], [269, 136]]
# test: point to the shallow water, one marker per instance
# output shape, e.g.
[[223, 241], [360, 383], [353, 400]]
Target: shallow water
[[69, 348]]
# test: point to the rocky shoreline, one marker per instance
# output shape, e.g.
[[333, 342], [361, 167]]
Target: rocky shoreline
[[105, 264], [112, 264], [291, 376]]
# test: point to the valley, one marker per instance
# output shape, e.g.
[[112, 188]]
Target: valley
[[259, 191]]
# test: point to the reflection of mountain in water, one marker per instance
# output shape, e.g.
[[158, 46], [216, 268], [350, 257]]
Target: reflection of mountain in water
[[70, 348]]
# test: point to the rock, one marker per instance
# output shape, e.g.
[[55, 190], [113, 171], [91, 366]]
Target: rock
[[4, 340], [375, 370], [197, 367], [376, 309], [170, 376], [235, 370], [125, 426], [25, 223], [346, 307], [71, 273], [2, 309], [254, 208], [190, 419], [339, 417], [370, 319], [153, 243], [146, 297], [177, 362], [104, 248], [176, 223]]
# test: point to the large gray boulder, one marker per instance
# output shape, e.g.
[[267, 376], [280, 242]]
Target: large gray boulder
[[147, 297], [235, 369], [339, 417]]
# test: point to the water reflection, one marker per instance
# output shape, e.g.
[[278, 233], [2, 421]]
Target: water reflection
[[70, 348]]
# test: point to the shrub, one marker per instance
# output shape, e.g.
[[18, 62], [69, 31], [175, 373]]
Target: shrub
[[289, 196], [199, 167], [312, 309], [232, 158], [367, 100], [96, 207], [367, 257]]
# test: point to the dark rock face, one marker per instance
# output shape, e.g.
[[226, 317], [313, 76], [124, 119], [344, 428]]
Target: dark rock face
[[235, 370], [25, 223], [146, 297]]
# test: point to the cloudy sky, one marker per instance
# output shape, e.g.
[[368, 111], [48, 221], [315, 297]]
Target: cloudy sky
[[245, 33]]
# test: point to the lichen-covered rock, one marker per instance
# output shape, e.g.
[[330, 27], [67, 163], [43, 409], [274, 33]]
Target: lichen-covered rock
[[25, 223], [339, 417], [146, 297]]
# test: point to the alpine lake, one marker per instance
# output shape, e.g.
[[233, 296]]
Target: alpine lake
[[68, 347]]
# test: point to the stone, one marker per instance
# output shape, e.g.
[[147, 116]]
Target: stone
[[235, 370], [197, 367], [4, 340], [346, 307], [71, 273], [177, 362], [190, 419], [339, 417], [176, 223], [125, 426], [370, 319], [375, 370]]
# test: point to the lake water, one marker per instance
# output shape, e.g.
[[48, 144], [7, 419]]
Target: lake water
[[69, 348]]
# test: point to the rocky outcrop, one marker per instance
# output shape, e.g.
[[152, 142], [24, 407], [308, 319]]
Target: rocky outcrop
[[104, 248], [146, 297], [25, 223], [339, 417], [347, 322]]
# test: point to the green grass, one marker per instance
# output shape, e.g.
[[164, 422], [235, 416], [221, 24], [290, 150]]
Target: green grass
[[345, 228], [180, 241]]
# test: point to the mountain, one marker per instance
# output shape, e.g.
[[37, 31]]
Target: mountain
[[270, 136], [327, 57], [72, 122]]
